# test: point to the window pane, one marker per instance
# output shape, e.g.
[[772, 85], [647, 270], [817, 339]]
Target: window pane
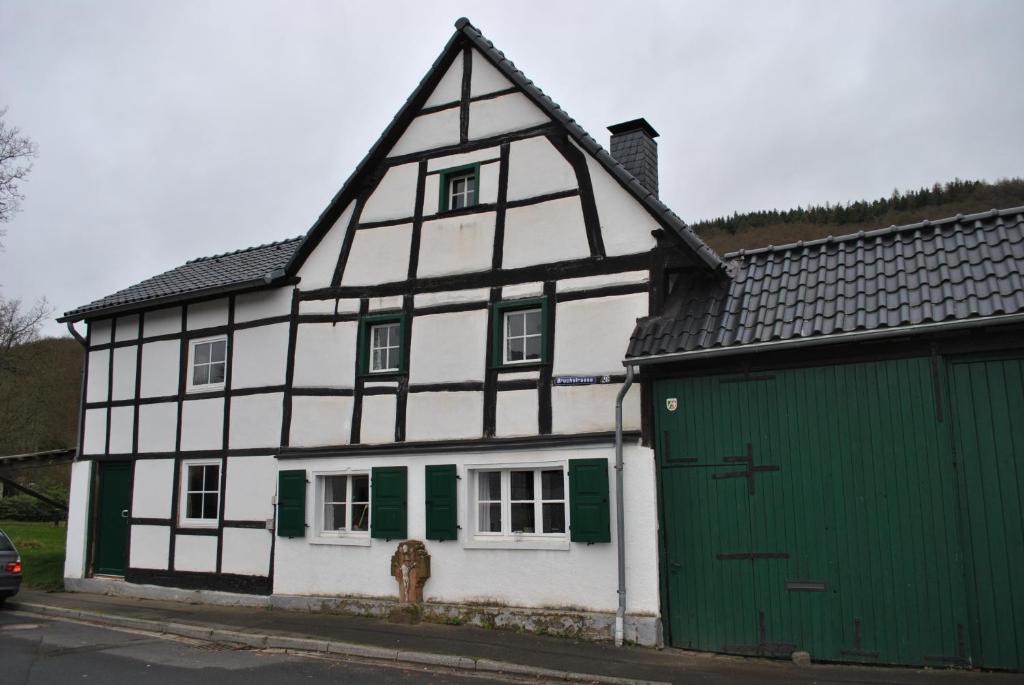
[[217, 372], [515, 350], [489, 485], [532, 348], [211, 477], [522, 518], [532, 322], [218, 350], [195, 478], [378, 362], [194, 506], [334, 488], [522, 486], [490, 518], [514, 324], [554, 518], [202, 353], [210, 501], [552, 485], [360, 488], [201, 375], [360, 517], [334, 517], [469, 191]]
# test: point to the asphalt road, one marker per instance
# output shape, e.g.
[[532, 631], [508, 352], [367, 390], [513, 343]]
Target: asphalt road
[[40, 651]]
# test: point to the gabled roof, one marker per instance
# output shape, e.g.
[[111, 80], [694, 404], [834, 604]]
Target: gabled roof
[[211, 275], [957, 270], [228, 272], [466, 32]]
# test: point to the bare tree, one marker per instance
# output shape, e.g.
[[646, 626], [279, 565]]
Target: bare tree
[[19, 325], [16, 154]]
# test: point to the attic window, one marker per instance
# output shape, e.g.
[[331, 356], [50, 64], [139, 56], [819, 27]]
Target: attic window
[[460, 187]]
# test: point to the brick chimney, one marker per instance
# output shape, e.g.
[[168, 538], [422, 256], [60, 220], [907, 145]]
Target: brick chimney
[[633, 146]]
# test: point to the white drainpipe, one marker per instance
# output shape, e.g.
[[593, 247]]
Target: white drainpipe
[[620, 519]]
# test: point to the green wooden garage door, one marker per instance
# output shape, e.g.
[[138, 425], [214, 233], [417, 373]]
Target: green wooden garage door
[[813, 509]]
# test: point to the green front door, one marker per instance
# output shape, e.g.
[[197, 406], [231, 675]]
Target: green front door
[[812, 509], [111, 527], [988, 405]]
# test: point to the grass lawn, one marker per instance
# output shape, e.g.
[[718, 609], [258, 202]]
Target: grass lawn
[[42, 552]]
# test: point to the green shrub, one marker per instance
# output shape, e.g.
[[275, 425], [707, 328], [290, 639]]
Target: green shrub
[[26, 508]]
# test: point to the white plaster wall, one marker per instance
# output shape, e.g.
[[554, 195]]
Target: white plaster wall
[[625, 225], [394, 197], [444, 415], [161, 361], [99, 332], [503, 115], [157, 426], [127, 328], [263, 304], [449, 88], [318, 269], [99, 375], [568, 285], [429, 131], [451, 297], [457, 244], [255, 421], [95, 439], [379, 255], [535, 167], [578, 350], [162, 322], [376, 304], [195, 553], [449, 347], [325, 355], [318, 421], [485, 77], [546, 232], [378, 420], [342, 306], [207, 314], [511, 292], [125, 361], [249, 493], [149, 546], [461, 159], [202, 424], [246, 551], [152, 489], [489, 183], [516, 413], [591, 408], [78, 519], [122, 423], [260, 356], [583, 576]]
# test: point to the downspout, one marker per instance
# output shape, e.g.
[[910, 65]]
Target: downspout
[[620, 517], [81, 409]]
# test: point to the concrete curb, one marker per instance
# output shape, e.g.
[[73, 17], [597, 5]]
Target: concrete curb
[[301, 644]]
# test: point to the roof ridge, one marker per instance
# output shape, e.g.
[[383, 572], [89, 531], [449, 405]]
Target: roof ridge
[[876, 232], [243, 249]]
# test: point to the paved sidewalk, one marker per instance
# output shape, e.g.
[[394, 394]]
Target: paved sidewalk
[[462, 647]]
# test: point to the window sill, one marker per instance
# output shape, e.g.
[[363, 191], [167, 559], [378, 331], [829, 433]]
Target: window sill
[[197, 523], [520, 543], [342, 541], [200, 389]]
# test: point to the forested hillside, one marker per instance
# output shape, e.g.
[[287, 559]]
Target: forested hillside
[[774, 227], [40, 386]]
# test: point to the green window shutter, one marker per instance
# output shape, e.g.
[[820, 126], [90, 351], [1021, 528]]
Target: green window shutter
[[291, 504], [588, 500], [387, 503], [442, 509]]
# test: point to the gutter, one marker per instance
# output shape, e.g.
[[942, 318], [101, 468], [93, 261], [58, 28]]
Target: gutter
[[620, 521], [854, 336]]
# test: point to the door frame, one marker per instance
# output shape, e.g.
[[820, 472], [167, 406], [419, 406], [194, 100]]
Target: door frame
[[93, 514]]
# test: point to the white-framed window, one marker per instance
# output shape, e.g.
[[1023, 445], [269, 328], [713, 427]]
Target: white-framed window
[[200, 493], [523, 336], [461, 190], [343, 506], [385, 347], [208, 363], [515, 504]]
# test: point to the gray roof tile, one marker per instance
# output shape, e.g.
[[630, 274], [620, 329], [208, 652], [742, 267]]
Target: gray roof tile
[[956, 269]]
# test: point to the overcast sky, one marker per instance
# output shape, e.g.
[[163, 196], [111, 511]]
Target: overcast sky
[[173, 130]]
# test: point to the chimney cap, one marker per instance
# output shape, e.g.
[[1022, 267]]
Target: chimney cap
[[633, 125]]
